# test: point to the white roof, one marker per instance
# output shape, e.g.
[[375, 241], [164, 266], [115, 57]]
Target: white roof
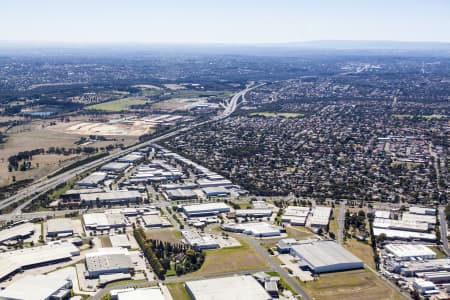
[[409, 250], [12, 260], [95, 220], [110, 196], [120, 240], [227, 288], [409, 217], [255, 228], [59, 225], [324, 253], [211, 206], [16, 231], [115, 166], [34, 287], [400, 224], [382, 214], [193, 237], [296, 211], [403, 234], [152, 220], [142, 294], [93, 178], [320, 215], [422, 210]]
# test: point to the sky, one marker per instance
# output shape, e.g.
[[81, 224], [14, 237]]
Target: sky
[[223, 21]]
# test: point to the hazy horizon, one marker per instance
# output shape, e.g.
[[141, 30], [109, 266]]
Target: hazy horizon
[[223, 23]]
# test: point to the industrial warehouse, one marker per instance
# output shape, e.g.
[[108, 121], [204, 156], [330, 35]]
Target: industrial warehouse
[[226, 288], [205, 209], [325, 256]]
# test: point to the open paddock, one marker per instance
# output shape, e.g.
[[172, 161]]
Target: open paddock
[[351, 285]]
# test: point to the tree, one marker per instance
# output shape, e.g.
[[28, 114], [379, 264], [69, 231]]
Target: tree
[[381, 238]]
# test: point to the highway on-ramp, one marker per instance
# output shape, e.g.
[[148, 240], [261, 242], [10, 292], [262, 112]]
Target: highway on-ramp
[[39, 188]]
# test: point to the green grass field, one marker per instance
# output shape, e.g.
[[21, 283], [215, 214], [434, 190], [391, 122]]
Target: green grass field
[[351, 285], [178, 291], [233, 259], [117, 105], [362, 250], [165, 235], [275, 114]]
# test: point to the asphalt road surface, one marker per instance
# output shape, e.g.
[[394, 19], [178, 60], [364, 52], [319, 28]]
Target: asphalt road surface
[[443, 229], [35, 190]]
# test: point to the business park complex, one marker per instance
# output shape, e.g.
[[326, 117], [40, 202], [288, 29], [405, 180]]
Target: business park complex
[[88, 240]]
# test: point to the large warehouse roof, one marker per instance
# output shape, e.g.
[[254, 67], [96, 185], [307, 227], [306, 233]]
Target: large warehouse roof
[[35, 287], [227, 288], [152, 293], [403, 234], [59, 225], [111, 196], [326, 256], [95, 220], [409, 250], [21, 230], [13, 260], [93, 179], [212, 207]]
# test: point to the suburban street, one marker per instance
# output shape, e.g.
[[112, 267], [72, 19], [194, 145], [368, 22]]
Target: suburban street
[[39, 188], [443, 229], [276, 267], [341, 221]]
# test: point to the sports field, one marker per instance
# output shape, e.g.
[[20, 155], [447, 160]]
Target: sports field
[[117, 105]]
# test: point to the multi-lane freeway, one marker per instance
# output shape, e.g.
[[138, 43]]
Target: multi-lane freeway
[[35, 190]]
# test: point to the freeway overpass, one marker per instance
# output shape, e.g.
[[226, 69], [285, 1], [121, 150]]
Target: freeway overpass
[[37, 189]]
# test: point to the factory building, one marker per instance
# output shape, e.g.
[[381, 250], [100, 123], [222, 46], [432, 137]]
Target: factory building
[[108, 261], [131, 158], [226, 288], [113, 197], [401, 225], [205, 209], [253, 213], [199, 241], [295, 215], [412, 268], [204, 183], [59, 227], [13, 261], [217, 191], [115, 167], [153, 220], [120, 241], [422, 210], [95, 221], [415, 218], [424, 287], [436, 277], [325, 256], [38, 287], [74, 195], [410, 251], [153, 293], [257, 229], [180, 194], [404, 235], [21, 231], [382, 214], [176, 186], [320, 216], [92, 180]]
